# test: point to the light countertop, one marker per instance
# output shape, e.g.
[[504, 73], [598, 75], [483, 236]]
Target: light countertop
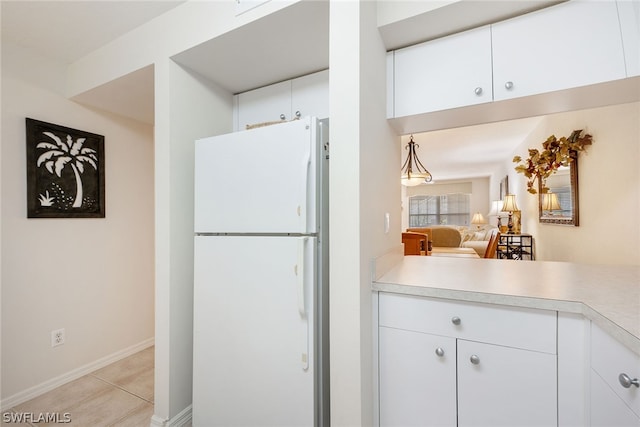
[[607, 295]]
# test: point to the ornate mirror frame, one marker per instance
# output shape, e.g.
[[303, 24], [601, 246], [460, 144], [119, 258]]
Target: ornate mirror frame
[[574, 218]]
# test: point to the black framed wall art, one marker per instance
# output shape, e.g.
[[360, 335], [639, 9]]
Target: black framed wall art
[[65, 172]]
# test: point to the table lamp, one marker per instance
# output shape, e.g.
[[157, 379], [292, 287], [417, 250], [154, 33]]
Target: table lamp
[[510, 206], [496, 210], [477, 219]]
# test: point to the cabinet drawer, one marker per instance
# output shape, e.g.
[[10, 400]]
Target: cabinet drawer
[[609, 358], [529, 329]]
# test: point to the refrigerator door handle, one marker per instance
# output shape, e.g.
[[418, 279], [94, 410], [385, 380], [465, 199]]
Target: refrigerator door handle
[[304, 187], [302, 307], [301, 276]]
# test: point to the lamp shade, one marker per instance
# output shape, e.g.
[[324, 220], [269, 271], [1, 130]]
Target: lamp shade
[[509, 203], [414, 179], [496, 208], [477, 218], [550, 202]]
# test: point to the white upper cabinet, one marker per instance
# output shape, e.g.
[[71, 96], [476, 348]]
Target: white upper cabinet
[[390, 85], [266, 104], [445, 73], [573, 44], [570, 45], [300, 97], [629, 12], [310, 95]]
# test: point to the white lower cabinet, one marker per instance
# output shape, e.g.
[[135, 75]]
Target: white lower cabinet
[[502, 386], [615, 382], [417, 385], [607, 409], [434, 370]]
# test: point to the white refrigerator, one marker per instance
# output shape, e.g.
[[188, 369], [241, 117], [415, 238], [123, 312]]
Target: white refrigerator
[[261, 277]]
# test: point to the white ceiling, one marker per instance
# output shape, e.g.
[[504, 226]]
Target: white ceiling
[[471, 151], [68, 30], [65, 31], [255, 55]]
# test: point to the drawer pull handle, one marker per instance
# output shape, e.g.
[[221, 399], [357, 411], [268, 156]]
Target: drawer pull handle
[[474, 359], [627, 382], [439, 352], [455, 320]]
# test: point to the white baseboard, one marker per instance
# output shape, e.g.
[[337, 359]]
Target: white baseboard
[[48, 385], [179, 420]]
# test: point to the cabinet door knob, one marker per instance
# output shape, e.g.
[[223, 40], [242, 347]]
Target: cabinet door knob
[[298, 114], [282, 117], [474, 359], [478, 91], [439, 352], [626, 381], [455, 320], [508, 85]]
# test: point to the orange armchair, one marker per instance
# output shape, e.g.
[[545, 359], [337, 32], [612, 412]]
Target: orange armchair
[[415, 243]]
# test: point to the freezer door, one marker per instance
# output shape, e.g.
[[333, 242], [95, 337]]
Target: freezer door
[[254, 310], [258, 181]]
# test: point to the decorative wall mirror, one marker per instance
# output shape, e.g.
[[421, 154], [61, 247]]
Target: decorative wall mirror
[[560, 204]]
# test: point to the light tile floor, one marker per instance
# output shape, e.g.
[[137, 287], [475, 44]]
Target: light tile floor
[[120, 394]]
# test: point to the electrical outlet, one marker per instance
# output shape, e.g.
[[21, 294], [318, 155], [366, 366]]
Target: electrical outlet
[[57, 337]]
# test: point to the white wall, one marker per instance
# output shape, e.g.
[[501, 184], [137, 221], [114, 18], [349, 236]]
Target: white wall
[[181, 28], [364, 185], [609, 184], [93, 277], [393, 11], [188, 107]]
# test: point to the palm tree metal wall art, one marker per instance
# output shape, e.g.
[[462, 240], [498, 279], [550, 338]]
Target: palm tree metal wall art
[[65, 172]]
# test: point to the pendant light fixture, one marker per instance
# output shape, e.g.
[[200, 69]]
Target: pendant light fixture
[[413, 171]]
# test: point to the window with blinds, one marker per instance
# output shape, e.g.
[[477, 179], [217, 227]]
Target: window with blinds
[[448, 209]]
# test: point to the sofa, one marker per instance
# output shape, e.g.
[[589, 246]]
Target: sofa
[[441, 236], [477, 239], [457, 236]]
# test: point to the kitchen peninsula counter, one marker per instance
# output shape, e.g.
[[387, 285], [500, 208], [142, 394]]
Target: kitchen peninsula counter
[[607, 295]]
